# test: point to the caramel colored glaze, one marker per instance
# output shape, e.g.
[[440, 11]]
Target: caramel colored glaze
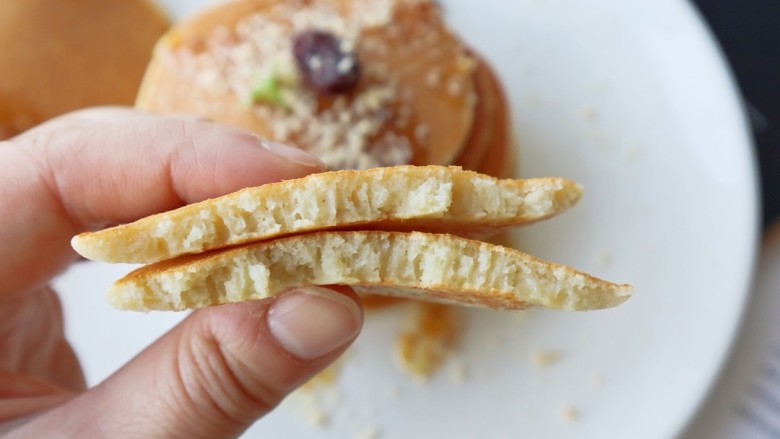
[[430, 336], [373, 302], [495, 155], [483, 130], [59, 56], [500, 160], [415, 31]]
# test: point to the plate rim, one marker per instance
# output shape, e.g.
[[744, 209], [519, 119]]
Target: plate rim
[[730, 90]]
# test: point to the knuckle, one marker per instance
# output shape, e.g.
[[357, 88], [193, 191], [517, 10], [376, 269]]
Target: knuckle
[[209, 379]]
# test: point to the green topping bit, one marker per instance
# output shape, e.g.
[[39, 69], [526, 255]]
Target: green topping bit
[[267, 88], [268, 85]]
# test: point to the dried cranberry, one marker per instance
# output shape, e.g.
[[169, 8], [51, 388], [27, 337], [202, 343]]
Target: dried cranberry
[[325, 65]]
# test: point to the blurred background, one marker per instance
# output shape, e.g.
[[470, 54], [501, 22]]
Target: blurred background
[[749, 33]]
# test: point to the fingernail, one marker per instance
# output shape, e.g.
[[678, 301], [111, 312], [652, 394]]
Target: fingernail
[[292, 154], [312, 322]]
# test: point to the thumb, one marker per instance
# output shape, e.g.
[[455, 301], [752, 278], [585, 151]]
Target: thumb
[[215, 373]]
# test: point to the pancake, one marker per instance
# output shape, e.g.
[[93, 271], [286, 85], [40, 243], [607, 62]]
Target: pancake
[[236, 64], [432, 267], [408, 198]]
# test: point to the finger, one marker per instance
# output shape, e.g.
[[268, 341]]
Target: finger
[[14, 410], [217, 372], [112, 166], [16, 385], [33, 342]]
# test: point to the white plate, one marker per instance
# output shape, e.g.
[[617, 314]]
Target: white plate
[[632, 99]]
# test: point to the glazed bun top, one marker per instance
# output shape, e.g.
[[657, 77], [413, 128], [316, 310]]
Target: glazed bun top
[[359, 84], [57, 56]]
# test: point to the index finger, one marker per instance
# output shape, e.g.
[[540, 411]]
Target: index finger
[[99, 167]]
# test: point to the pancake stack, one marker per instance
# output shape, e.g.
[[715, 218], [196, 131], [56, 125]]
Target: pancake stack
[[398, 231], [360, 84]]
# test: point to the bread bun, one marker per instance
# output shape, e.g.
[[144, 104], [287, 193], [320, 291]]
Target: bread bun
[[58, 56], [422, 96]]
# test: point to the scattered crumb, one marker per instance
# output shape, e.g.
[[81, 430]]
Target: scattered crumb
[[600, 139], [314, 400], [428, 338], [545, 358], [369, 433], [392, 392], [319, 418], [491, 342], [591, 115], [327, 378], [633, 153], [570, 414], [421, 133], [433, 78], [309, 407], [604, 259], [454, 88], [458, 372]]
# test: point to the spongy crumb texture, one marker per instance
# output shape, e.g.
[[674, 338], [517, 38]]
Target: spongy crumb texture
[[434, 267], [424, 198]]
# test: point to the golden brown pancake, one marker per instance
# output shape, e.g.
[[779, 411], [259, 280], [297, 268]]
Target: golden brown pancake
[[432, 267], [422, 97], [411, 198], [489, 133]]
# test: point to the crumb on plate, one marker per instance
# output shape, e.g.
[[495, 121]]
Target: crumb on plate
[[545, 358], [428, 338], [570, 414]]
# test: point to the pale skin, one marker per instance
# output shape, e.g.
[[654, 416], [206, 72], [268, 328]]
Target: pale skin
[[218, 371]]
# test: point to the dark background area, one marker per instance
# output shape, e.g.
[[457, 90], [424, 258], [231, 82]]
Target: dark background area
[[749, 33]]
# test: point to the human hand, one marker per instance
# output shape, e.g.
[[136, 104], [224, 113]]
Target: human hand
[[216, 372]]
